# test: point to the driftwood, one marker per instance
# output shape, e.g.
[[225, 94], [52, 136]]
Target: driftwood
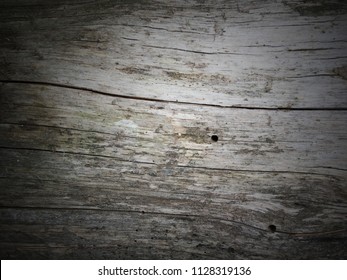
[[173, 129]]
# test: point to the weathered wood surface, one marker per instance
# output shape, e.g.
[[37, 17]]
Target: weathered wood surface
[[243, 53], [107, 109]]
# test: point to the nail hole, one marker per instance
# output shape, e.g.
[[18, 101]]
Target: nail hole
[[214, 138], [272, 228]]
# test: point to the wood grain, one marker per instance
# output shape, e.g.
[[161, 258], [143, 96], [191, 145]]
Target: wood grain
[[232, 53], [107, 112], [67, 120]]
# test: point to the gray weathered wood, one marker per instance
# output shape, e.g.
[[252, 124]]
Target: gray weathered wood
[[230, 53], [107, 109], [65, 120], [96, 182]]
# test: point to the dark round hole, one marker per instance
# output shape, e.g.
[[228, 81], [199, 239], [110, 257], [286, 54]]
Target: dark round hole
[[272, 228], [214, 138]]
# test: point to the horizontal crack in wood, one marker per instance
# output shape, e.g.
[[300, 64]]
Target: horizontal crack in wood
[[171, 101], [178, 166]]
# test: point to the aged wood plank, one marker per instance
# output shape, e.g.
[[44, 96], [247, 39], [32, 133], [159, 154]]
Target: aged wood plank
[[107, 111], [169, 134], [255, 199], [76, 150], [50, 233], [230, 53]]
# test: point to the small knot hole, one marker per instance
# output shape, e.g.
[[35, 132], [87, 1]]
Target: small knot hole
[[272, 228], [214, 138]]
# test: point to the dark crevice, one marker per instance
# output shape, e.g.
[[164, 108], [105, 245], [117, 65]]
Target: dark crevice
[[330, 58], [198, 52], [331, 167], [163, 29], [178, 166], [72, 87], [130, 39], [309, 50], [313, 233], [313, 76], [56, 127], [73, 153], [258, 171]]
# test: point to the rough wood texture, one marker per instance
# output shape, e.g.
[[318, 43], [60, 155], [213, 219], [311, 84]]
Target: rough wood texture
[[107, 109]]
